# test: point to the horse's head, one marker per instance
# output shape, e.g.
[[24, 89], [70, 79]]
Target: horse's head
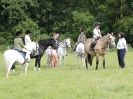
[[111, 40], [67, 42], [52, 43]]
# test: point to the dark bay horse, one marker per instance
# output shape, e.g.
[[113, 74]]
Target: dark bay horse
[[99, 49], [43, 45]]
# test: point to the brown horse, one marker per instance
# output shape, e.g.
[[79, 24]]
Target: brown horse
[[99, 49]]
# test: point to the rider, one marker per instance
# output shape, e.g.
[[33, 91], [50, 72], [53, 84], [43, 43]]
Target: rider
[[81, 38], [96, 35], [27, 37], [19, 45]]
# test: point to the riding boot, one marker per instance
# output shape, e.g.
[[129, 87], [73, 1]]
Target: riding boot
[[92, 46], [75, 47]]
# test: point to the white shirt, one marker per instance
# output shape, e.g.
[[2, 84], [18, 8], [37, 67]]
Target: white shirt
[[96, 33], [122, 44], [27, 39]]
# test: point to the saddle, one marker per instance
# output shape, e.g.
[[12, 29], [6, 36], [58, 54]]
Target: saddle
[[93, 44], [21, 52]]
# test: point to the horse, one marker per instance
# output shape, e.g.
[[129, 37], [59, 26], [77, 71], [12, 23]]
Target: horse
[[80, 52], [43, 45], [51, 57], [13, 56], [99, 49], [61, 51]]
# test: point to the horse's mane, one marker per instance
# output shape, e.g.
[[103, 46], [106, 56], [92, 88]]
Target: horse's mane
[[105, 38], [44, 42]]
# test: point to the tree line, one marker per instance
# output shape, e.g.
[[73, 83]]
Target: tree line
[[43, 17]]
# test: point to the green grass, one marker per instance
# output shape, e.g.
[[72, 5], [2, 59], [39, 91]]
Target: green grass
[[70, 82]]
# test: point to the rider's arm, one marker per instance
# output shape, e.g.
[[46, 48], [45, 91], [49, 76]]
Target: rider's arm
[[21, 43]]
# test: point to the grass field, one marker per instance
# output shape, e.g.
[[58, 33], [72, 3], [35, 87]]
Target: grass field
[[70, 82]]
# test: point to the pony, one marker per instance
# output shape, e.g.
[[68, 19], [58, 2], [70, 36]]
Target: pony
[[99, 49], [80, 52], [51, 57], [13, 56], [61, 51], [43, 45]]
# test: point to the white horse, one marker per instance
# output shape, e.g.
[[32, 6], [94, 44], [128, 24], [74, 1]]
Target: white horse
[[80, 52], [12, 56], [61, 51]]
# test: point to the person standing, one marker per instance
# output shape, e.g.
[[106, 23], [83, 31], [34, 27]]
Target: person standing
[[121, 49], [27, 37], [96, 35], [56, 37], [54, 57]]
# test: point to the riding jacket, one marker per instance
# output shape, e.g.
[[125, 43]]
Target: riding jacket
[[27, 39], [96, 33], [18, 43], [81, 38]]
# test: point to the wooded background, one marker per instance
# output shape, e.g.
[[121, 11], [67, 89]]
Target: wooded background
[[43, 17]]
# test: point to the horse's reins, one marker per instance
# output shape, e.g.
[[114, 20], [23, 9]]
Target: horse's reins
[[62, 46]]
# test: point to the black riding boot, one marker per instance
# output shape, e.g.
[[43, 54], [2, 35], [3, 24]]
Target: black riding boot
[[92, 45], [75, 48]]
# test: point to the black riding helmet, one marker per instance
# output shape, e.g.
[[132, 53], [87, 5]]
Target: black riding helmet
[[18, 33], [28, 32], [97, 24]]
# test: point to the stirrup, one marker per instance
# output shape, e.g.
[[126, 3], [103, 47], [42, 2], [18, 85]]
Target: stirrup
[[25, 61]]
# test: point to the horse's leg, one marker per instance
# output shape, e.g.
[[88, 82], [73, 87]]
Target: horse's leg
[[13, 68], [104, 61], [97, 61], [60, 58], [9, 66], [25, 69], [39, 63], [55, 60], [36, 64], [38, 59], [48, 60], [52, 61], [64, 57], [91, 60], [83, 61], [86, 61]]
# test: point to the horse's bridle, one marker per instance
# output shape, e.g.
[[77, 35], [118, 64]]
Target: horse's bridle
[[63, 46]]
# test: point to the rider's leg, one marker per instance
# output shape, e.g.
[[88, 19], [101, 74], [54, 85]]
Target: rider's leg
[[93, 44], [27, 56]]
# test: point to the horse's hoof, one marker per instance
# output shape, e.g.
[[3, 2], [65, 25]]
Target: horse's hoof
[[35, 69], [39, 69], [13, 70]]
